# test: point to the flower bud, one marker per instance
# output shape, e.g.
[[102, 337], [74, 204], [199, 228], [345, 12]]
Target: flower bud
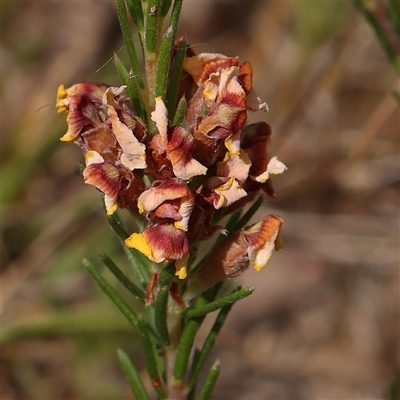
[[251, 246]]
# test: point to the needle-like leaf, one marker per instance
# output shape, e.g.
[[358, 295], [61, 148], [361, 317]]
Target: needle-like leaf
[[133, 376], [136, 291], [202, 310], [136, 11], [112, 294], [210, 382], [130, 47], [150, 359]]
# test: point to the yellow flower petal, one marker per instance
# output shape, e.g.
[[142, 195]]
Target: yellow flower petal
[[61, 102], [138, 241], [181, 267]]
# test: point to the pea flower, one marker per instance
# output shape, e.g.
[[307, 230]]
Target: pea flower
[[252, 246], [183, 178]]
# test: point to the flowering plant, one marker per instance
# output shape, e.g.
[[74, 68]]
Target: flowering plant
[[173, 148]]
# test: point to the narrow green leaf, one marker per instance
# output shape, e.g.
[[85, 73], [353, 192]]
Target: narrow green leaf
[[396, 96], [210, 382], [219, 303], [394, 14], [380, 33], [186, 343], [230, 227], [136, 291], [150, 359], [152, 25], [164, 57], [112, 294], [180, 112], [393, 391], [159, 357], [130, 47], [249, 214], [166, 274], [196, 355], [185, 346], [163, 65], [175, 76], [164, 7], [117, 226], [176, 12], [131, 87], [136, 11], [136, 99], [160, 313], [232, 222], [140, 263], [198, 362], [395, 6], [133, 376]]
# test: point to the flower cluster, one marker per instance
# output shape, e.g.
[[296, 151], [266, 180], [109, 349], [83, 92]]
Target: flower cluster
[[180, 176]]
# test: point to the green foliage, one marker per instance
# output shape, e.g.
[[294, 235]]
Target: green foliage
[[379, 23], [133, 376], [130, 47], [386, 24], [209, 382], [170, 315], [201, 310]]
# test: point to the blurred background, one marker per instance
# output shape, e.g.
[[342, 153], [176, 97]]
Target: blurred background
[[324, 319]]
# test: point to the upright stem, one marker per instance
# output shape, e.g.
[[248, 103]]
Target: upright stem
[[150, 66], [174, 320]]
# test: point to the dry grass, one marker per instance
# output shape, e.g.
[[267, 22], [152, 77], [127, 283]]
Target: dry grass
[[324, 320]]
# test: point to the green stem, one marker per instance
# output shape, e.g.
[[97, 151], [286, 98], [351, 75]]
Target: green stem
[[150, 57]]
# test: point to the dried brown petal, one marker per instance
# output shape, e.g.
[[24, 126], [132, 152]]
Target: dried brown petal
[[201, 66], [262, 239], [132, 187], [134, 152], [222, 192], [177, 143], [84, 114], [228, 260], [251, 246], [256, 144], [159, 199], [105, 177], [235, 165]]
